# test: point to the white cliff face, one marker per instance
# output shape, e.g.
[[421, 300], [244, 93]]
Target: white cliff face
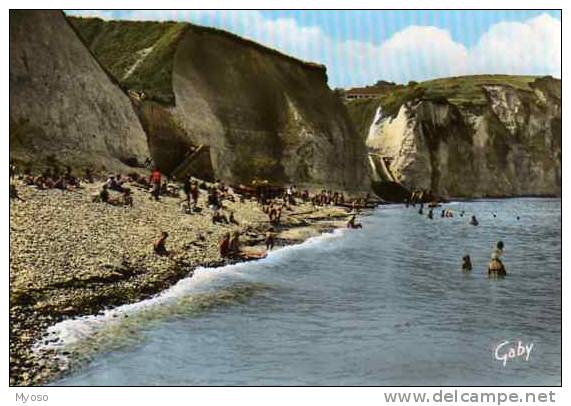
[[397, 139], [508, 147], [62, 103]]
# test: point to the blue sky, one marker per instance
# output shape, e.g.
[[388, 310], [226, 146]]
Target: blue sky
[[361, 46]]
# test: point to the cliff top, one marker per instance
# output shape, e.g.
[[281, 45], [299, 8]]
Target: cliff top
[[140, 54], [463, 91]]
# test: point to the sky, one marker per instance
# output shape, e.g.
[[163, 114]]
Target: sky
[[360, 47]]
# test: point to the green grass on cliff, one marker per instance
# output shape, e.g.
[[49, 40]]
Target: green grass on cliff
[[119, 44], [468, 90], [462, 91]]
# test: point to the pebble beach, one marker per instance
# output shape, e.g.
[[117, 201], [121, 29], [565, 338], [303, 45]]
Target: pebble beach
[[71, 257]]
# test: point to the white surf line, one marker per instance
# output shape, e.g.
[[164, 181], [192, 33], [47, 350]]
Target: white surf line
[[72, 331]]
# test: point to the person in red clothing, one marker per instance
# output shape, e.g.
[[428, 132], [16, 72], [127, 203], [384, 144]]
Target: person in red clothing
[[155, 180]]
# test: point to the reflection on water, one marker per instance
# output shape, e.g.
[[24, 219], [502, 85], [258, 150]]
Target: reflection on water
[[387, 305]]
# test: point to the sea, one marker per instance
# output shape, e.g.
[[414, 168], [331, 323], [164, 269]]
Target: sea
[[388, 304]]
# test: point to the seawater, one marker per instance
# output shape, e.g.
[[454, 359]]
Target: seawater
[[385, 305]]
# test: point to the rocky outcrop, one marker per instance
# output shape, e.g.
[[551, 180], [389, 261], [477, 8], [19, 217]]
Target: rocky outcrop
[[503, 140], [63, 105], [263, 115]]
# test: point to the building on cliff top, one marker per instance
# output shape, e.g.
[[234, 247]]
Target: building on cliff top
[[368, 92]]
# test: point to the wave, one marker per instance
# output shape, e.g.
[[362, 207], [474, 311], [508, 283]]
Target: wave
[[205, 289]]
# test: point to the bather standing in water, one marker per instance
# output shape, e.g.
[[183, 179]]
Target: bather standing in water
[[496, 266], [473, 221]]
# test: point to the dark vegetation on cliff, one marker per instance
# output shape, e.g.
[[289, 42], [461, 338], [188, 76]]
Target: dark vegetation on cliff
[[140, 54]]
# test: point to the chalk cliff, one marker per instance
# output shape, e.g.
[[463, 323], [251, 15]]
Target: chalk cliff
[[261, 114], [63, 106], [473, 136]]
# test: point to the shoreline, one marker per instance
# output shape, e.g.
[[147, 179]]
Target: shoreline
[[70, 257]]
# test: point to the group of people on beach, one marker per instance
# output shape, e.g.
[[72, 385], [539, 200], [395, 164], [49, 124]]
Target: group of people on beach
[[116, 190], [50, 178]]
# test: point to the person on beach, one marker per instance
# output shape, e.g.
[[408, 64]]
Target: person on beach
[[159, 246], [473, 221], [88, 175], [194, 194], [214, 199], [218, 217], [112, 184], [224, 246], [186, 188], [496, 266], [232, 220], [127, 197], [14, 193], [466, 263], [235, 250], [270, 239], [234, 244], [352, 224], [155, 181], [103, 196]]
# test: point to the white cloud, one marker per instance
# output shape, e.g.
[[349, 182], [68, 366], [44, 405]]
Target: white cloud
[[414, 53], [532, 47]]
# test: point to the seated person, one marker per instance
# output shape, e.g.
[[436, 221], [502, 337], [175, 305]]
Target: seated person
[[29, 180], [14, 193], [103, 195], [127, 197], [218, 217], [232, 220], [60, 183], [213, 200], [159, 246]]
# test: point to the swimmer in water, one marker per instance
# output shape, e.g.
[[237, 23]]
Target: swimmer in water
[[473, 221], [466, 263]]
